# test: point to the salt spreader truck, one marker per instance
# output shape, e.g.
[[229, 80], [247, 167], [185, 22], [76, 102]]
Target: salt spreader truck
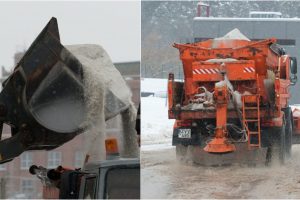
[[233, 104]]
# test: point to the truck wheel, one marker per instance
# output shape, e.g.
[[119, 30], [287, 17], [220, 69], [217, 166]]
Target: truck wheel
[[288, 139], [282, 152], [277, 151], [288, 132], [269, 156], [181, 151], [279, 145]]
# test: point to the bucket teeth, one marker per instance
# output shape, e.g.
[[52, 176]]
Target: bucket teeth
[[52, 27]]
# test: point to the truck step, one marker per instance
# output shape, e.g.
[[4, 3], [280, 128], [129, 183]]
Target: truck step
[[254, 145], [251, 120], [253, 133], [250, 108]]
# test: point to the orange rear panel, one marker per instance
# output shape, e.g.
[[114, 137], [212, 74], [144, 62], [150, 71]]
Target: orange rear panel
[[236, 71]]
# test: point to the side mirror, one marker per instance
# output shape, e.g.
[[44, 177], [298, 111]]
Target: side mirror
[[293, 68], [293, 65]]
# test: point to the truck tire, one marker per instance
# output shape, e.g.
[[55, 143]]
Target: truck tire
[[279, 148], [288, 131], [282, 143], [269, 156], [277, 151], [181, 152], [288, 139]]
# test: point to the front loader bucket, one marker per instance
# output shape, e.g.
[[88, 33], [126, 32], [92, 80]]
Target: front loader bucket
[[43, 99]]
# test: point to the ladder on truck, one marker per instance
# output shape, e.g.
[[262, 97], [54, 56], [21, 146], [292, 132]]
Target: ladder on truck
[[250, 104]]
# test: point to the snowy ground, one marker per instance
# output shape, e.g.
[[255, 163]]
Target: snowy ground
[[153, 85], [157, 128], [162, 176]]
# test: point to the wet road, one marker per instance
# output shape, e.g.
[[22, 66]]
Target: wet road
[[164, 177]]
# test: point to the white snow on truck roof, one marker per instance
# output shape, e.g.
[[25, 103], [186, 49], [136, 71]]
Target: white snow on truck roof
[[243, 19]]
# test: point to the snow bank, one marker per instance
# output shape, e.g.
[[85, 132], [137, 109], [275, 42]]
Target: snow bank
[[156, 127], [154, 85]]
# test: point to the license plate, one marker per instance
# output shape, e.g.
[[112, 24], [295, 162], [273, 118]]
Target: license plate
[[184, 133]]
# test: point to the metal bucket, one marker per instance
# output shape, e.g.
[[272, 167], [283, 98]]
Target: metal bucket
[[43, 99]]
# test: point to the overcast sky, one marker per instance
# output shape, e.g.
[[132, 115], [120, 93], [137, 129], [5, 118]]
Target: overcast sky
[[114, 25]]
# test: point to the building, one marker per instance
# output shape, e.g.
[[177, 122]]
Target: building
[[131, 73], [20, 184], [15, 180]]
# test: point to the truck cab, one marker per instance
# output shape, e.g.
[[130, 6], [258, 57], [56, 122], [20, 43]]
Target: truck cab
[[117, 178], [111, 179]]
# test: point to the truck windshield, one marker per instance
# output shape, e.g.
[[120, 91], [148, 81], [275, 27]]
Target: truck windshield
[[123, 184]]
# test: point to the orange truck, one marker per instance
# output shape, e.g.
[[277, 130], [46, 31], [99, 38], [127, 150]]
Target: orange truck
[[234, 101]]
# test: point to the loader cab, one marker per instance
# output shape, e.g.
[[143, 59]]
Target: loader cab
[[111, 179]]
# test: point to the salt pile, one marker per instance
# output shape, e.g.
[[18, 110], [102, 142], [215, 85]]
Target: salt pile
[[235, 34], [106, 95], [227, 39], [221, 60]]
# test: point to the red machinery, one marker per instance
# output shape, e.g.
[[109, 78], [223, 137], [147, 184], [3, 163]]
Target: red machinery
[[296, 124], [234, 97]]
